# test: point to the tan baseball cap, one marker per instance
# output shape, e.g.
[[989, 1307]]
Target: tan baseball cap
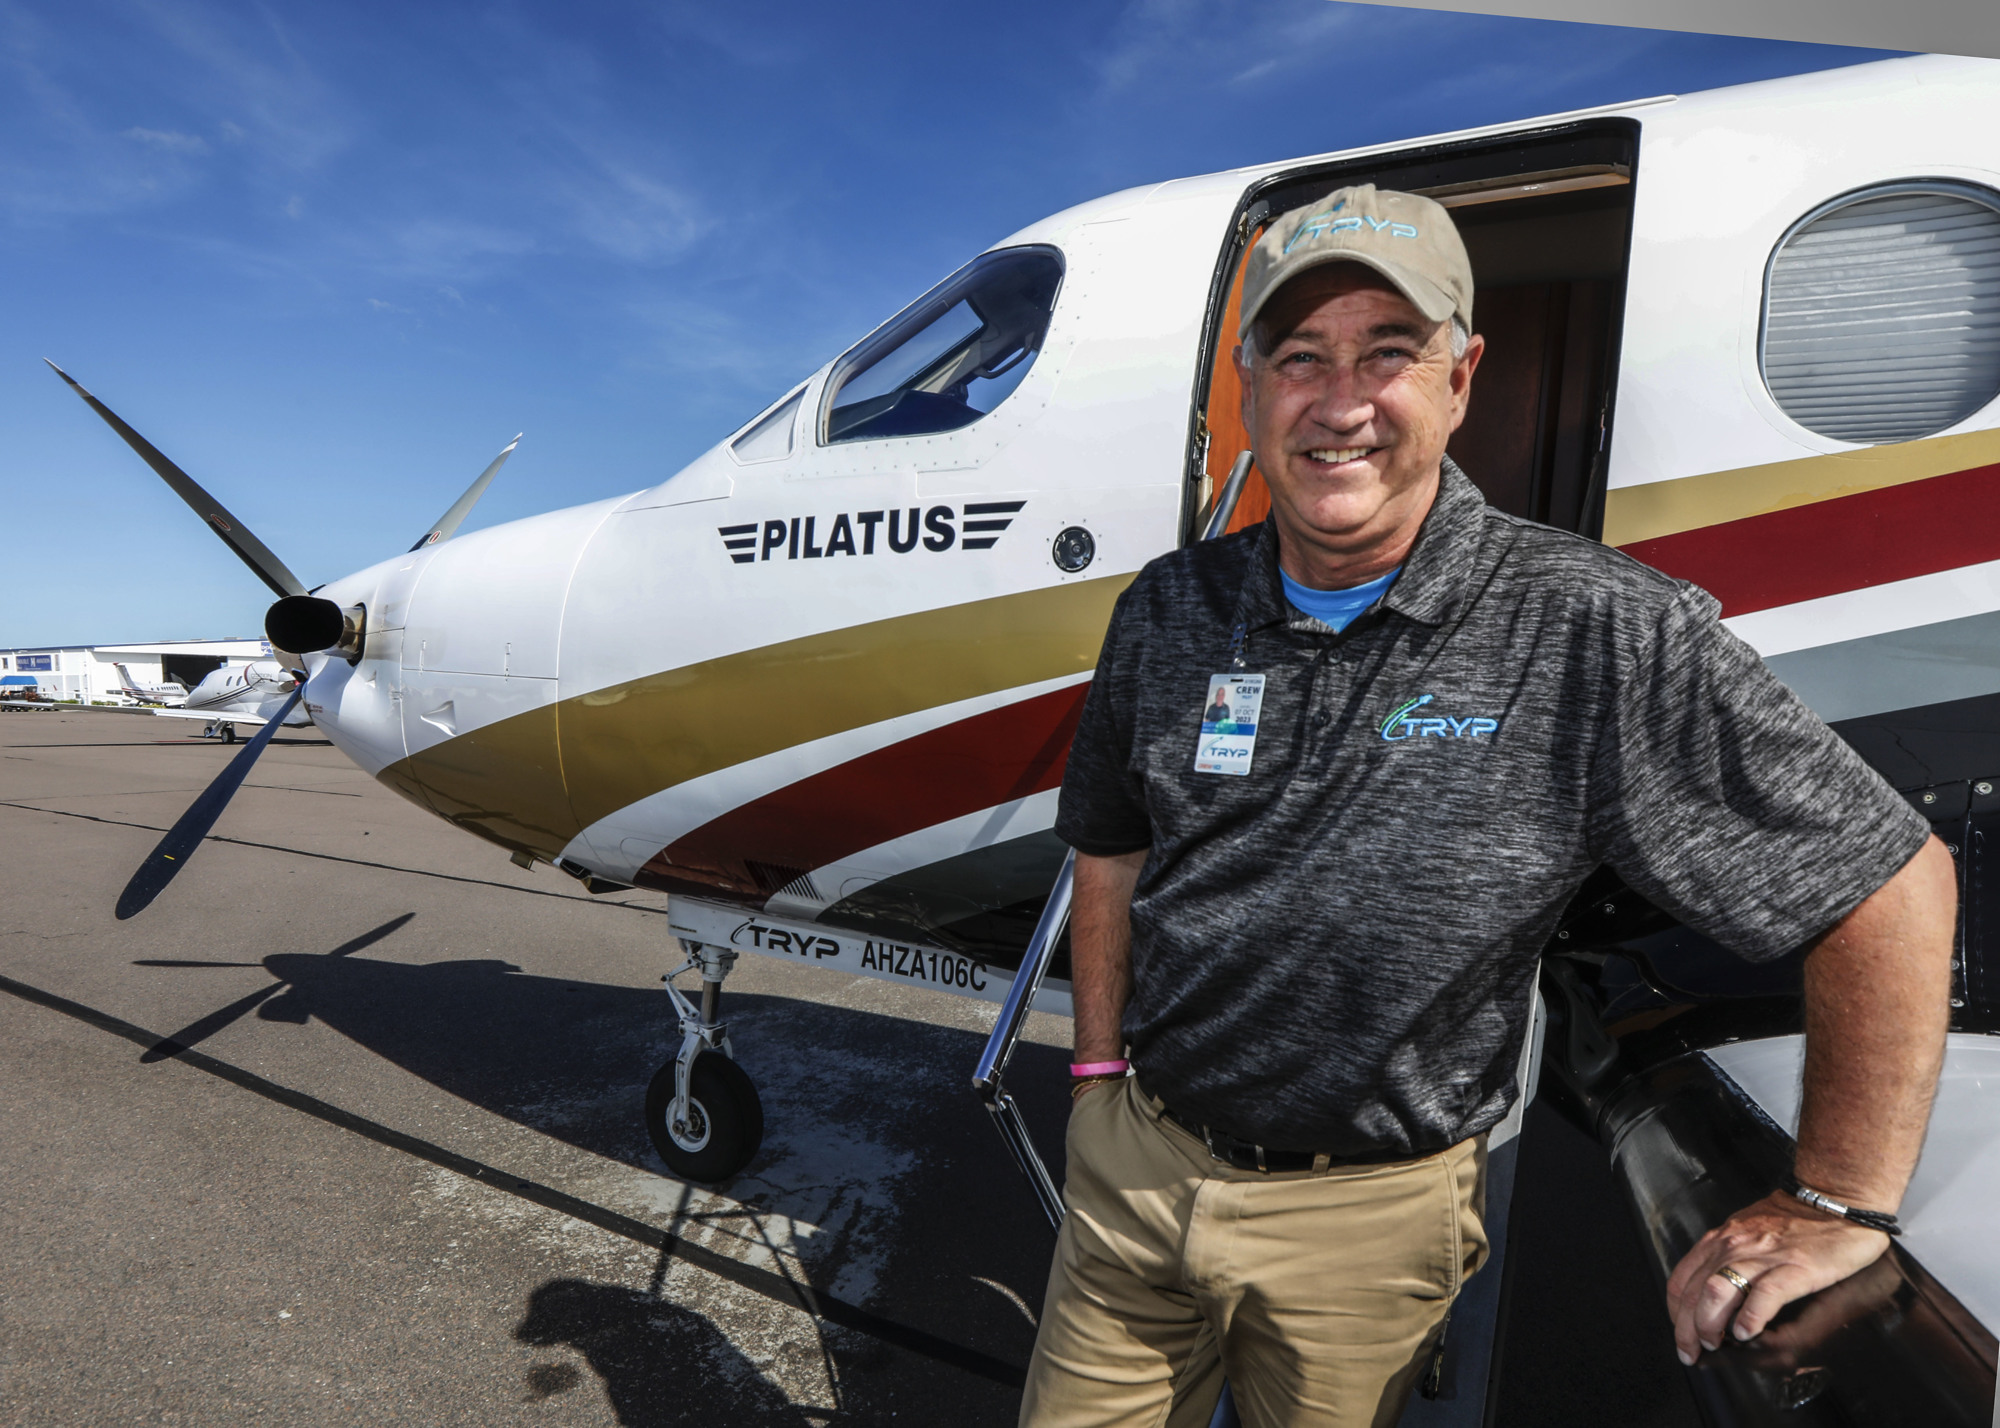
[[1405, 237]]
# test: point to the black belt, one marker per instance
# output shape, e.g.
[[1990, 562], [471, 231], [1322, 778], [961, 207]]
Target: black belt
[[1248, 1155]]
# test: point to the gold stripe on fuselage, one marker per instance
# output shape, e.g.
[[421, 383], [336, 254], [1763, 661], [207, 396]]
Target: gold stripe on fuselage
[[632, 740], [1663, 508]]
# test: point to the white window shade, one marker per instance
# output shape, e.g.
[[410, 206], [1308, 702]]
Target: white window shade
[[1882, 313]]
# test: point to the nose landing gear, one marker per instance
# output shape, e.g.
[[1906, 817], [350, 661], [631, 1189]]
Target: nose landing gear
[[702, 1111]]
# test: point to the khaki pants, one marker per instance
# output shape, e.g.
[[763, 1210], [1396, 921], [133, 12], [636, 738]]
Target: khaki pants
[[1318, 1293]]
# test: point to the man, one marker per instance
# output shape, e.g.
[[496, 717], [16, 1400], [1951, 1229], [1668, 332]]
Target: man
[[1317, 946]]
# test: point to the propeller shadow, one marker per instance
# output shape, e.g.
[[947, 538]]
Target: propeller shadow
[[197, 1032]]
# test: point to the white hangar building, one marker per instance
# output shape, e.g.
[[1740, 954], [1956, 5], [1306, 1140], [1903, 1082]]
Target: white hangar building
[[88, 673]]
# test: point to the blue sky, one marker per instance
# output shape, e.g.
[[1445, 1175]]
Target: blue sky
[[331, 257]]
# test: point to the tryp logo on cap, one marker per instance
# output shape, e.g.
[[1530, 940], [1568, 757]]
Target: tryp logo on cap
[[1405, 237]]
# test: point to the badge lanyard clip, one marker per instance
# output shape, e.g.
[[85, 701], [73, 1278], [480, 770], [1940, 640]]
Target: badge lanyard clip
[[1239, 643]]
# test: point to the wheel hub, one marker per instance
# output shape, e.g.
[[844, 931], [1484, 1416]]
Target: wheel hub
[[690, 1134]]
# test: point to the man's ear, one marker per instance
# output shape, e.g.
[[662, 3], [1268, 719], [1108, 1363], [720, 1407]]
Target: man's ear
[[1461, 378], [1243, 405]]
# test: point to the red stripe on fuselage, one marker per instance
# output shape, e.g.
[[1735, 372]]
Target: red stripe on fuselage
[[961, 768], [1848, 543]]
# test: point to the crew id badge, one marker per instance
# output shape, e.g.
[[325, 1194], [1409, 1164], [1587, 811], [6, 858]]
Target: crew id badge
[[1229, 724]]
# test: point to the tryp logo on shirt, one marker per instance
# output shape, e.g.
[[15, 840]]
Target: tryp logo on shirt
[[1406, 724]]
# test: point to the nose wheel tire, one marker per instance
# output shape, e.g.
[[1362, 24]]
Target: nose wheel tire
[[725, 1120]]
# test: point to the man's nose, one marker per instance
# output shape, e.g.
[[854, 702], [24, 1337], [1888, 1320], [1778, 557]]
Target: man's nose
[[1343, 402]]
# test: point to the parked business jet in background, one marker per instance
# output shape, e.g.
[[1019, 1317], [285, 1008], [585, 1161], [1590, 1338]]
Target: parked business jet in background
[[173, 692], [241, 696], [819, 684]]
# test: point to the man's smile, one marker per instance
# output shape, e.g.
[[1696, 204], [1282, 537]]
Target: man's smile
[[1341, 455]]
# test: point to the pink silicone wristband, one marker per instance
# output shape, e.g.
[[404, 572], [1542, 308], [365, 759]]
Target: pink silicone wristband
[[1099, 1068]]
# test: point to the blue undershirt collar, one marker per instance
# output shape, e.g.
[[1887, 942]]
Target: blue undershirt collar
[[1334, 608]]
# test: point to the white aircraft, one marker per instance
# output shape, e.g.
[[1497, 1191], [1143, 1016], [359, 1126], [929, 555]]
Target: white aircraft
[[173, 692], [250, 695], [818, 685]]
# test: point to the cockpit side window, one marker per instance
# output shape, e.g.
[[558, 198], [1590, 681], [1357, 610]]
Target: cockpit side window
[[950, 357]]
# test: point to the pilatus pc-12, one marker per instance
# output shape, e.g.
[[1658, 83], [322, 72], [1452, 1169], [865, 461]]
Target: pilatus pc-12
[[818, 685]]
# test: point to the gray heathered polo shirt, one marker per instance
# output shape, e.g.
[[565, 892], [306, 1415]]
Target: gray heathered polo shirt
[[1337, 951]]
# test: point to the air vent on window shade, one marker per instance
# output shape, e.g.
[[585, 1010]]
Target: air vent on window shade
[[1882, 313]]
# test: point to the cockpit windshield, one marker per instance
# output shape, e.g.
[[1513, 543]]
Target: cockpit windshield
[[952, 356]]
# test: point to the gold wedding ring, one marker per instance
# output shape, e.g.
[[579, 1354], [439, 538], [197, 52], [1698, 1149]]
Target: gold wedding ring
[[1734, 1278]]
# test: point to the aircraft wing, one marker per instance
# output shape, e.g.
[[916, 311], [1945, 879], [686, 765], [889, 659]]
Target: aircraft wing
[[72, 708], [211, 716], [1948, 27]]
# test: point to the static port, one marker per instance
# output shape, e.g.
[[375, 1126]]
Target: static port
[[1073, 549]]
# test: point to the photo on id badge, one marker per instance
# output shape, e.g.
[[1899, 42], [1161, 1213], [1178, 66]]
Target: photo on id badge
[[1229, 724]]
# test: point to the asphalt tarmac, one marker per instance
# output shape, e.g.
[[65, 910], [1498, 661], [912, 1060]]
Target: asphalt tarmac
[[391, 1167], [345, 1128]]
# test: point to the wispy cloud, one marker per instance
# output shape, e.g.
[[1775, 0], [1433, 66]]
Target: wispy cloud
[[169, 140], [1208, 45]]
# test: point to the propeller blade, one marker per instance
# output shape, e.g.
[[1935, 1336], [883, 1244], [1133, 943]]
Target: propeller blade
[[184, 837], [448, 523], [253, 552]]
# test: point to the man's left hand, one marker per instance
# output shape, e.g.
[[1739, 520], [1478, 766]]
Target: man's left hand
[[1786, 1250]]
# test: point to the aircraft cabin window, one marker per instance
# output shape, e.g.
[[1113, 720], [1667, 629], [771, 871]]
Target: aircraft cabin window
[[950, 357], [769, 439], [1882, 312]]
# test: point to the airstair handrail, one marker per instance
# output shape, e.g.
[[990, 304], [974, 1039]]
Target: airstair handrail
[[988, 1077]]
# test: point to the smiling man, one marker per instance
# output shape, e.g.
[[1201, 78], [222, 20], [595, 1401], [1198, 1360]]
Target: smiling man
[[1304, 951]]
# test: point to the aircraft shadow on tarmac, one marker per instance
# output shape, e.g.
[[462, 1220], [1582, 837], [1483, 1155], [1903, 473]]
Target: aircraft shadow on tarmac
[[878, 1170], [662, 1365], [875, 1145]]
